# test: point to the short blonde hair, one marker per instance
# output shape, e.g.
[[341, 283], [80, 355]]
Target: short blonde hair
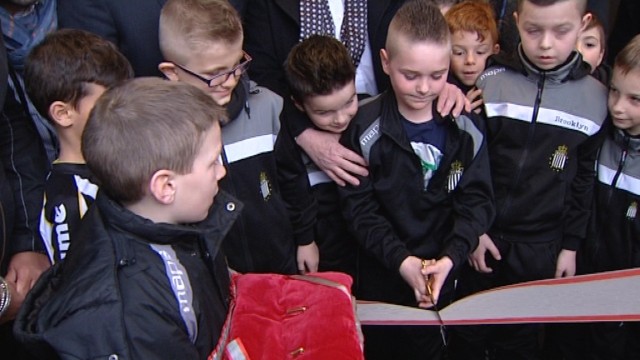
[[628, 59], [189, 25], [142, 126], [417, 21]]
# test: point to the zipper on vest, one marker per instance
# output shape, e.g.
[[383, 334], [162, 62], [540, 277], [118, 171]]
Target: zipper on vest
[[528, 144], [621, 162], [610, 190]]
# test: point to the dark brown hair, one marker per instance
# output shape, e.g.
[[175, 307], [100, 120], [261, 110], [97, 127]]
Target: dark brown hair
[[318, 66], [582, 4], [60, 67]]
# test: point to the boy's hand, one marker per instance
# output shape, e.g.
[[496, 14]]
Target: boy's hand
[[25, 268], [308, 258], [338, 162], [436, 273], [410, 269], [566, 265], [452, 101], [475, 98], [477, 257]]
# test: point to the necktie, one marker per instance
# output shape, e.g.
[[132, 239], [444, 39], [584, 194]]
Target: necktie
[[316, 19]]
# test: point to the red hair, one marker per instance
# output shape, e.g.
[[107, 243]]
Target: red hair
[[473, 16]]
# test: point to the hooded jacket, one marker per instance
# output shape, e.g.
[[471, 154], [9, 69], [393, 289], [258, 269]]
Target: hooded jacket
[[132, 289], [542, 148]]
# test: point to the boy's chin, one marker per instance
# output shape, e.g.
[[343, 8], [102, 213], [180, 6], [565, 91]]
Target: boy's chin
[[222, 101]]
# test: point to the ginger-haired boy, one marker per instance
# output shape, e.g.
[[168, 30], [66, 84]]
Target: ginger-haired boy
[[474, 37], [145, 277], [201, 41], [428, 195], [64, 75], [321, 79], [542, 144]]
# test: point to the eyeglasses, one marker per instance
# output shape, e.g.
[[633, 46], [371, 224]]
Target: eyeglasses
[[221, 78]]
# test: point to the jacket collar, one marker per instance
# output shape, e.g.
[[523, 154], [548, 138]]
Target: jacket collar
[[572, 69], [621, 137], [221, 216], [392, 124], [291, 8], [239, 99]]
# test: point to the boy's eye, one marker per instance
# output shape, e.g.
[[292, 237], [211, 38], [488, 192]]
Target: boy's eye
[[436, 76], [458, 52], [410, 76], [591, 44], [532, 31]]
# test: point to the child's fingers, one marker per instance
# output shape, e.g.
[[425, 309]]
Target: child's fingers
[[493, 250]]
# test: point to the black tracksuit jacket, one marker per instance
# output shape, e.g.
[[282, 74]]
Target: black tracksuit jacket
[[391, 213]]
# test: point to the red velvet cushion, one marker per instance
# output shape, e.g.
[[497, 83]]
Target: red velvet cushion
[[284, 317]]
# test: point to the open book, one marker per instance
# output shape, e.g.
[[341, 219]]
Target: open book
[[608, 296]]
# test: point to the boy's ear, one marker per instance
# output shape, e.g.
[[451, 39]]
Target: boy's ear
[[61, 113], [384, 58], [496, 48], [297, 104], [163, 187], [515, 16], [586, 19], [169, 70]]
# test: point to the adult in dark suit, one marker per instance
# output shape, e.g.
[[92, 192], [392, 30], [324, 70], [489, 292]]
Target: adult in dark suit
[[132, 25]]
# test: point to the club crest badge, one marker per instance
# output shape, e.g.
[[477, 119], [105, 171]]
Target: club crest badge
[[265, 186], [559, 158], [454, 175], [632, 211]]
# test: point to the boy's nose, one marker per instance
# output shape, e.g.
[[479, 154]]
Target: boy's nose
[[222, 172], [423, 86], [230, 82], [545, 41], [470, 59]]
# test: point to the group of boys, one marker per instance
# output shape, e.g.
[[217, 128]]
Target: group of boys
[[508, 188]]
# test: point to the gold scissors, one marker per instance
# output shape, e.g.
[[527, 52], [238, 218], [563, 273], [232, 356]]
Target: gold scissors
[[428, 280]]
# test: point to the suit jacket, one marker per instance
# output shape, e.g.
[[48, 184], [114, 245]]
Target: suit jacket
[[272, 28], [131, 25]]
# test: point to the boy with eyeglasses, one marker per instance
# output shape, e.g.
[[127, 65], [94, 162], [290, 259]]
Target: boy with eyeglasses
[[207, 53]]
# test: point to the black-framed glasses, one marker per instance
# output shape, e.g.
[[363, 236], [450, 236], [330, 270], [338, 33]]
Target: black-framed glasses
[[221, 78]]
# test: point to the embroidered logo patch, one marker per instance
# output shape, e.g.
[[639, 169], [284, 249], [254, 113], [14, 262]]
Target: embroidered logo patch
[[559, 158], [454, 175], [632, 211], [265, 186]]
